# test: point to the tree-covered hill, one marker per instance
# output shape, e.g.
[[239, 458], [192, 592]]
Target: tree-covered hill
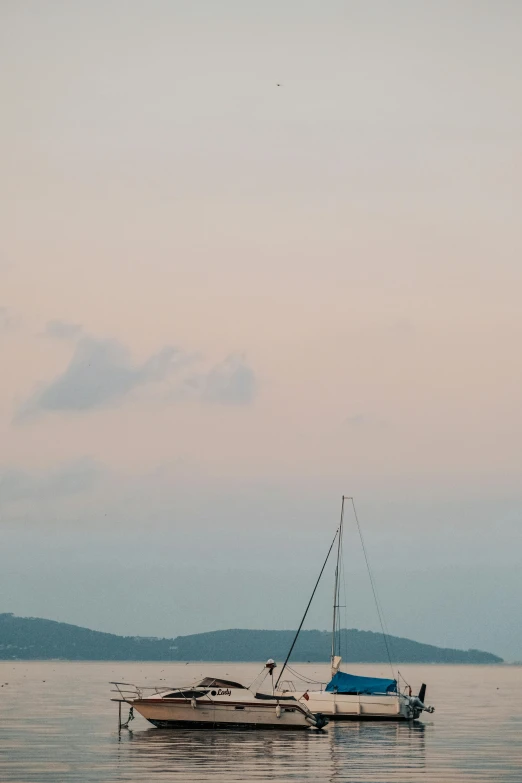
[[31, 638]]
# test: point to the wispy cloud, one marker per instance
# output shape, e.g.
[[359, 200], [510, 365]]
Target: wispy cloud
[[363, 421], [230, 382], [101, 373], [356, 420], [6, 320], [62, 330], [71, 478]]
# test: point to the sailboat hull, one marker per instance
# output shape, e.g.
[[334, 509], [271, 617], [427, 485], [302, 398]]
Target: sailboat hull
[[360, 707]]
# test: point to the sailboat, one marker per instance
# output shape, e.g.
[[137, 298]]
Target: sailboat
[[348, 696]]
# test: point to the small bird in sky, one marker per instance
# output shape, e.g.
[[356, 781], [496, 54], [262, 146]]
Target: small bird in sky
[[279, 85]]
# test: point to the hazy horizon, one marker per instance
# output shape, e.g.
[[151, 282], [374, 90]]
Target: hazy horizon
[[254, 257]]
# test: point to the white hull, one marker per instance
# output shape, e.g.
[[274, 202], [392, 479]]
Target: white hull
[[170, 715], [339, 706]]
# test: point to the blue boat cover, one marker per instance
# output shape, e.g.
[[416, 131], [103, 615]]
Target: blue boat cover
[[350, 683]]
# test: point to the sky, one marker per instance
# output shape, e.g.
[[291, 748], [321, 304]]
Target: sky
[[255, 256]]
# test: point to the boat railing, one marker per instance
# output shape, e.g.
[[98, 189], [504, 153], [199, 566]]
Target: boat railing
[[289, 686], [128, 691]]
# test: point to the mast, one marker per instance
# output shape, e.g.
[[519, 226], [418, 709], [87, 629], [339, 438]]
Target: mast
[[337, 588]]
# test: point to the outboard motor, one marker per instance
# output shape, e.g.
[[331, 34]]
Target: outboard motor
[[320, 720], [316, 720], [417, 702]]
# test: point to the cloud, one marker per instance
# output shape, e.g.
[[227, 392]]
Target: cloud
[[71, 478], [364, 422], [403, 326], [100, 373], [357, 420], [6, 321], [62, 330], [232, 382]]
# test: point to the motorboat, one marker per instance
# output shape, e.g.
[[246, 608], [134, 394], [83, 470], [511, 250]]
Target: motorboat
[[217, 703], [348, 696]]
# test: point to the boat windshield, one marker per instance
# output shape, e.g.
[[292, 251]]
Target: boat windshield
[[190, 693], [214, 682]]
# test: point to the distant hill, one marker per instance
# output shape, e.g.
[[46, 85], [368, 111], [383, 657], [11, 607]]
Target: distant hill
[[31, 638]]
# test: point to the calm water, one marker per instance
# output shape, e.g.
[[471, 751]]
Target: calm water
[[58, 725]]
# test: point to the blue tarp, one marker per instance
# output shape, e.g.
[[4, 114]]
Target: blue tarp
[[350, 683]]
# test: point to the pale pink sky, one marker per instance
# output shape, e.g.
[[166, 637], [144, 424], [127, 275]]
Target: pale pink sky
[[337, 261]]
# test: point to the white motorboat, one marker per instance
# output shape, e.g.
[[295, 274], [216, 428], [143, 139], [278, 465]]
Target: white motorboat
[[347, 696], [217, 703]]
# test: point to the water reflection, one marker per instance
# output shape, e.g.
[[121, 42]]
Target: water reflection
[[228, 754], [338, 753], [376, 749]]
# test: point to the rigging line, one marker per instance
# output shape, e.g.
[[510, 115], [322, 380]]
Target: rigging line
[[307, 608], [263, 674], [374, 590], [390, 642], [302, 677]]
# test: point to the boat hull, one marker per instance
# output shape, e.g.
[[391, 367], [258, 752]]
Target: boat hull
[[190, 724], [175, 715], [359, 707]]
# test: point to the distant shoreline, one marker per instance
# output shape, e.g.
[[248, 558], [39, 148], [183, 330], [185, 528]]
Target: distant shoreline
[[33, 638]]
